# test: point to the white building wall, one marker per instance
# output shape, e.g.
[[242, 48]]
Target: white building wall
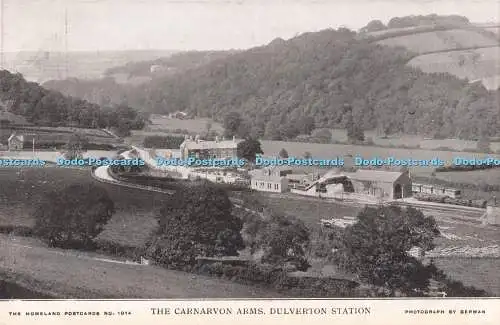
[[268, 186]]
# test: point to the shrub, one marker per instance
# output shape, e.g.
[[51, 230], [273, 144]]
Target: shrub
[[195, 221], [73, 216]]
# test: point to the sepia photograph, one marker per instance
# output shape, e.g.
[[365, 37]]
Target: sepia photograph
[[250, 149]]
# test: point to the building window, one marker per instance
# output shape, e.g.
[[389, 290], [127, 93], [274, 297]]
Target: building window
[[276, 186], [261, 184], [269, 185]]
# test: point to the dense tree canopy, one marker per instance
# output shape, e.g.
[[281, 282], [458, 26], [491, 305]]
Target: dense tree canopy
[[73, 216], [283, 153], [284, 239], [249, 149], [376, 248], [196, 221], [284, 88], [51, 108]]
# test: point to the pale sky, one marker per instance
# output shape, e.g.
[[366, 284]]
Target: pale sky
[[204, 24]]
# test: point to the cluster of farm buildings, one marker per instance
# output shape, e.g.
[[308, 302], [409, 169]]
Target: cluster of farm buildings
[[324, 183]]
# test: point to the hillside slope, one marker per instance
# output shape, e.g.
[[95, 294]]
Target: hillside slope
[[277, 87], [466, 50], [120, 80], [22, 101], [44, 65]]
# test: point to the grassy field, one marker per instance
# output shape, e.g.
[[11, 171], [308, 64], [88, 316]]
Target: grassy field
[[53, 155], [21, 190], [471, 64], [495, 30], [480, 273], [485, 176], [58, 134], [311, 211], [72, 274], [272, 148], [440, 41], [161, 123], [166, 126]]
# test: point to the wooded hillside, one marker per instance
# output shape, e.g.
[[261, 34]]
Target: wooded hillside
[[278, 87]]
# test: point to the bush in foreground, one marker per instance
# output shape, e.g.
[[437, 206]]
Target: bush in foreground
[[73, 216], [196, 221]]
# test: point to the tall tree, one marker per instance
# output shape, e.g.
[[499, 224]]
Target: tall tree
[[283, 153], [74, 215], [249, 148], [76, 146], [376, 248], [283, 240], [355, 133], [195, 221], [232, 122]]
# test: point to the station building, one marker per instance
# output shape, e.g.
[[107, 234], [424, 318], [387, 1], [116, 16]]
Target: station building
[[269, 179]]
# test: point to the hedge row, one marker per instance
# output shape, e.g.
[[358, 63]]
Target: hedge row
[[118, 250], [278, 279]]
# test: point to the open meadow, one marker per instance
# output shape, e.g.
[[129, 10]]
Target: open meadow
[[162, 123], [53, 155], [436, 41], [22, 189], [329, 151], [72, 274], [478, 272], [486, 176], [58, 135], [495, 30], [473, 64]]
